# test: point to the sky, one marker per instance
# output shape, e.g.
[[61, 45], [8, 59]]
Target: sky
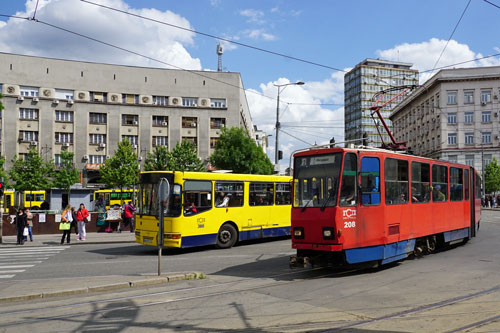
[[335, 35]]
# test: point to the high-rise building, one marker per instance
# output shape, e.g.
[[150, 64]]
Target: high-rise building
[[87, 108], [361, 84]]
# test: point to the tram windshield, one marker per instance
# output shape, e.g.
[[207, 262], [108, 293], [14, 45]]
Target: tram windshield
[[148, 196], [316, 180]]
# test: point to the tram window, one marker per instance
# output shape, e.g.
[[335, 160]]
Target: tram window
[[420, 182], [439, 183], [348, 185], [370, 181], [197, 197], [228, 194], [466, 184], [456, 184], [283, 194], [261, 194], [396, 181], [478, 187]]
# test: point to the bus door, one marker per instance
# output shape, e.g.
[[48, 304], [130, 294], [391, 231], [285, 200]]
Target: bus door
[[7, 202], [261, 201], [197, 203], [369, 226], [107, 200]]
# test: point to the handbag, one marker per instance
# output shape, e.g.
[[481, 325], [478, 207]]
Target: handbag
[[64, 225], [25, 231]]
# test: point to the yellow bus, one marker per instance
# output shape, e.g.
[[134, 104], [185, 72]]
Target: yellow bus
[[213, 209], [32, 199], [114, 197]]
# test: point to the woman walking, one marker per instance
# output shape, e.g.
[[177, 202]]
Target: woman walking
[[81, 217], [65, 224], [21, 222], [29, 218]]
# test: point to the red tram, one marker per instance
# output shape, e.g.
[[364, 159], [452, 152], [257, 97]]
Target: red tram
[[369, 204]]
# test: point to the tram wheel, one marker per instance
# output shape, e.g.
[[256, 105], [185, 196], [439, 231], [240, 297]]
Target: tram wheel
[[226, 237]]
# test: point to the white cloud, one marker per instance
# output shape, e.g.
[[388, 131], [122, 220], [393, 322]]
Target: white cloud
[[299, 107], [259, 34], [148, 38], [425, 54], [253, 15]]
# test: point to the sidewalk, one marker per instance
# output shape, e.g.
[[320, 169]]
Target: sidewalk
[[54, 239]]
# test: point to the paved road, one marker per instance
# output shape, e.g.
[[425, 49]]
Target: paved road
[[251, 288]]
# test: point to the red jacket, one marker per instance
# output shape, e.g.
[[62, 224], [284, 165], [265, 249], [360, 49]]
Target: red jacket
[[81, 214], [129, 211]]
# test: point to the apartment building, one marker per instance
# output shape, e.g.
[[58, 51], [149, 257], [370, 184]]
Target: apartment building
[[87, 108]]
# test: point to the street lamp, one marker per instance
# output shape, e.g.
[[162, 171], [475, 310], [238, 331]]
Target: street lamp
[[276, 152]]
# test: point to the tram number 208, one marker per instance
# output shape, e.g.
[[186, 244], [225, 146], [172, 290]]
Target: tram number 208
[[350, 224]]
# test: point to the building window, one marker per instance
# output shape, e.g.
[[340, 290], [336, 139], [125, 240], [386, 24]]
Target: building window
[[130, 99], [101, 97], [486, 117], [28, 136], [95, 139], [469, 160], [452, 118], [64, 137], [468, 97], [217, 123], [64, 116], [160, 141], [58, 160], [29, 91], [160, 100], [485, 96], [161, 121], [218, 102], [97, 118], [189, 101], [192, 140], [213, 142], [485, 137], [189, 122], [130, 119], [133, 139], [469, 138], [487, 159], [452, 158], [452, 138], [469, 117], [64, 94], [452, 98], [97, 159], [28, 114]]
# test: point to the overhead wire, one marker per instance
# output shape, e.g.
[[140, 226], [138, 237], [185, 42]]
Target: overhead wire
[[296, 138], [492, 4]]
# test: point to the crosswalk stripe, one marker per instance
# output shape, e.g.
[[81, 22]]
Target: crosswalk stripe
[[27, 250], [7, 276], [27, 254], [13, 271], [36, 248], [16, 266], [24, 261]]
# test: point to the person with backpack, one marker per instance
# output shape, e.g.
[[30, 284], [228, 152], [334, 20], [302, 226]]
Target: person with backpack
[[82, 215]]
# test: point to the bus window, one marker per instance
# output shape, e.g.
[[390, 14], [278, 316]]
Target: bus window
[[456, 184], [283, 194], [228, 194], [439, 183], [466, 184], [348, 183], [261, 194], [197, 197], [420, 182], [370, 181], [396, 181]]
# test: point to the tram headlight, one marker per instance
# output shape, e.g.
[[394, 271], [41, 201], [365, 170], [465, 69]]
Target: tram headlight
[[328, 233], [298, 233]]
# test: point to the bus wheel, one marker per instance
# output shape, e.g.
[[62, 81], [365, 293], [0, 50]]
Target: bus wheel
[[226, 237]]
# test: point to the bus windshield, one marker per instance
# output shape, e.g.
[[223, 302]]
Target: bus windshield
[[316, 179], [148, 196]]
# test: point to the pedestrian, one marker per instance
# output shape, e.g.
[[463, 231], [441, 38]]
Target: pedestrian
[[29, 218], [65, 224], [21, 223], [82, 215], [129, 214], [73, 223]]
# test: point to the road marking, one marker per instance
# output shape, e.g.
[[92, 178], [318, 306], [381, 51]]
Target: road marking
[[15, 260], [27, 254], [7, 276], [13, 271], [16, 266]]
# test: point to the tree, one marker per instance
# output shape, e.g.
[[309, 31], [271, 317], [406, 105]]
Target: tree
[[236, 151], [184, 157], [158, 159], [67, 175], [121, 170], [32, 173], [492, 176], [3, 174]]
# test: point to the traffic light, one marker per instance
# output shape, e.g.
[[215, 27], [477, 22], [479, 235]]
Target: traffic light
[[1, 188], [332, 142], [365, 139], [280, 155]]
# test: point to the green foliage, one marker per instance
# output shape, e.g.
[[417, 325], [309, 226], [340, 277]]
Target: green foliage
[[1, 105], [67, 174], [184, 157], [492, 177], [158, 159], [3, 174], [121, 170], [31, 174], [236, 151]]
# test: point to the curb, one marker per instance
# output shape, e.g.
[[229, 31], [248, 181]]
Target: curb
[[106, 287]]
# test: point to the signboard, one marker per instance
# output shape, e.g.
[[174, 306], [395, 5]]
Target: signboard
[[41, 218], [114, 214]]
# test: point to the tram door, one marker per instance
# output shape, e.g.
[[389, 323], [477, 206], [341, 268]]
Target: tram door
[[470, 195]]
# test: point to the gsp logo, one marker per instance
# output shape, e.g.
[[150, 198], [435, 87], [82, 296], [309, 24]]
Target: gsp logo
[[349, 213]]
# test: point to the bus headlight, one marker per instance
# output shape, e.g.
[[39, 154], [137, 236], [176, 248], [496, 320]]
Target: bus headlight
[[298, 233], [328, 233]]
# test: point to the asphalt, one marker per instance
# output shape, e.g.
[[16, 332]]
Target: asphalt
[[16, 291]]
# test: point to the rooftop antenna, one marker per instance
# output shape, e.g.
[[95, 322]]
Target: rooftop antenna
[[220, 51]]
